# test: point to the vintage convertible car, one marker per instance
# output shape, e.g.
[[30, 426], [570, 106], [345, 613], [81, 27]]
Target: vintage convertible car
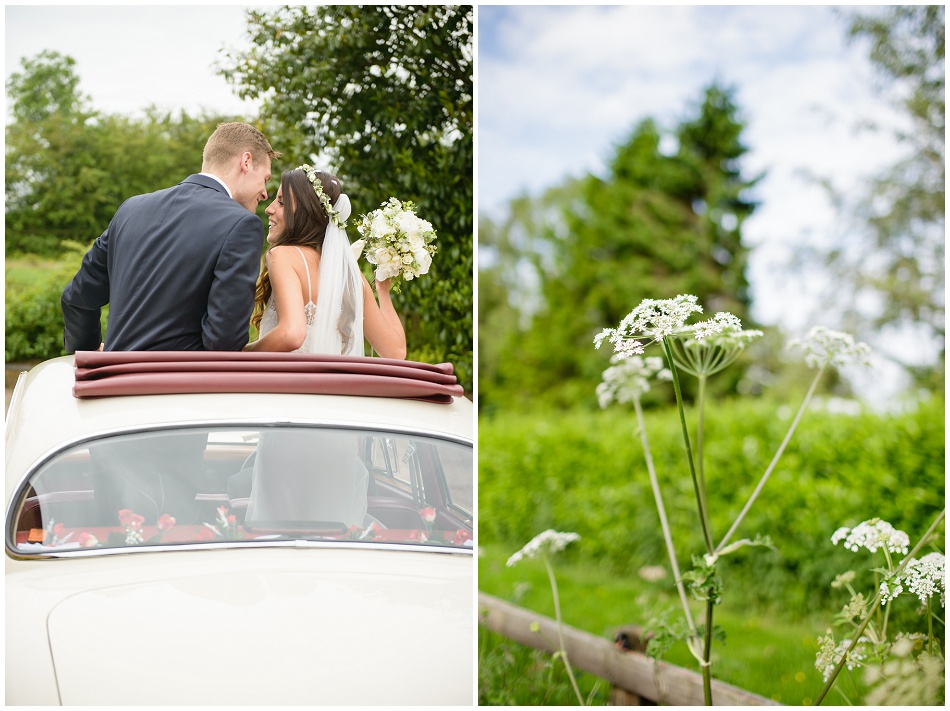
[[239, 528]]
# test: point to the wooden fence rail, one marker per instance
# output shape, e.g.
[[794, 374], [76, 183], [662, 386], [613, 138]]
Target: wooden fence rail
[[632, 671]]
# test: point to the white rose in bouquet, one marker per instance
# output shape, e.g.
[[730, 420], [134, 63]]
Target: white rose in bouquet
[[387, 261], [398, 242], [415, 242], [382, 226], [407, 224], [424, 259]]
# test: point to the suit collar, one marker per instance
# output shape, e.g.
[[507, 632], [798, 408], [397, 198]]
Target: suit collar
[[208, 181]]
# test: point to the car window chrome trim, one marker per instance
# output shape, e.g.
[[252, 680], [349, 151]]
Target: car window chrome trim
[[244, 545]]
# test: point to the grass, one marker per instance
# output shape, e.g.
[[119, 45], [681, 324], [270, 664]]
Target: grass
[[22, 271], [510, 674], [764, 652]]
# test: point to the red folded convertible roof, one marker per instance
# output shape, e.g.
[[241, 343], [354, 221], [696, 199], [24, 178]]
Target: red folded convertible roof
[[116, 373]]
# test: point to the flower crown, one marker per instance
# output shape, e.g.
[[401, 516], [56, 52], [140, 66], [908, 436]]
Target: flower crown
[[332, 214]]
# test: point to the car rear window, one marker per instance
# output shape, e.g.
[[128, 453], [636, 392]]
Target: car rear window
[[250, 484]]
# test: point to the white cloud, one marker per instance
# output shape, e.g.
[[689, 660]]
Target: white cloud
[[575, 80]]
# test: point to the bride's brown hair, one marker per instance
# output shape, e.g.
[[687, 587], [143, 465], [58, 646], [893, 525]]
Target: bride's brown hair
[[305, 225]]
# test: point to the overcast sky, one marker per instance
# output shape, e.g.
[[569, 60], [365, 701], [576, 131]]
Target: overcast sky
[[128, 56]]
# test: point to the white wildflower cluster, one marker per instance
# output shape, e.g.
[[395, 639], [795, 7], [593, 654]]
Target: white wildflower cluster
[[872, 534], [652, 573], [705, 348], [829, 655], [653, 319], [723, 330], [717, 324], [843, 580], [544, 543], [924, 578], [855, 608], [399, 243], [905, 679], [627, 379], [825, 347]]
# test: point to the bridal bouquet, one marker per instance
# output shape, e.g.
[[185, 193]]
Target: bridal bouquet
[[398, 242]]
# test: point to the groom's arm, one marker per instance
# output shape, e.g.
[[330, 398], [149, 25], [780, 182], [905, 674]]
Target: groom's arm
[[231, 299], [84, 297]]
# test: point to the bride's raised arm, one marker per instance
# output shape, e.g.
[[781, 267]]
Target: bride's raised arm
[[381, 324]]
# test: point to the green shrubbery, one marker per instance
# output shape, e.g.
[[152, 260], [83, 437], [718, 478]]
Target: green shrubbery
[[585, 472], [33, 312]]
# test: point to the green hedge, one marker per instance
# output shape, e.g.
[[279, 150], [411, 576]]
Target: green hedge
[[33, 312], [585, 472]]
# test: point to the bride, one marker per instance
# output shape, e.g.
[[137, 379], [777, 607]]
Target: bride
[[309, 255]]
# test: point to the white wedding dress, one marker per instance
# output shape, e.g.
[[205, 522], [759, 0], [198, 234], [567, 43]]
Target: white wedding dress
[[269, 317], [307, 475]]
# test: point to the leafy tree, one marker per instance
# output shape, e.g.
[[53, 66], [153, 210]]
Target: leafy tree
[[890, 270], [68, 168], [47, 87], [663, 221], [48, 167], [383, 96], [502, 306]]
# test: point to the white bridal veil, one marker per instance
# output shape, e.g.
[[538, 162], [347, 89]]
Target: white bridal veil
[[339, 293]]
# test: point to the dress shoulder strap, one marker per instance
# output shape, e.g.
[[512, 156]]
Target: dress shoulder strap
[[307, 269]]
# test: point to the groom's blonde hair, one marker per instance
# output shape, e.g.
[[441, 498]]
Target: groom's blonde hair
[[230, 140]]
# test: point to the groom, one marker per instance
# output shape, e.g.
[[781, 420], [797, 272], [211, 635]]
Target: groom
[[178, 267]]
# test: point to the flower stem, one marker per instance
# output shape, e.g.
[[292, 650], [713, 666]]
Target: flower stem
[[560, 634], [689, 450], [887, 613], [877, 600], [930, 626], [707, 655], [778, 455], [700, 457], [664, 523]]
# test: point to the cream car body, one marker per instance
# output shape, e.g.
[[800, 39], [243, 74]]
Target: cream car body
[[268, 622]]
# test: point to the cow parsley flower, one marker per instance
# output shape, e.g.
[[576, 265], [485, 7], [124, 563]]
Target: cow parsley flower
[[890, 589], [653, 319], [922, 577], [829, 654], [855, 608], [543, 544], [844, 579], [719, 323], [825, 347], [927, 575], [628, 379], [872, 534], [707, 347]]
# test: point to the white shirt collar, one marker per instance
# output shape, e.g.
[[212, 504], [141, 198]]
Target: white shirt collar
[[215, 177]]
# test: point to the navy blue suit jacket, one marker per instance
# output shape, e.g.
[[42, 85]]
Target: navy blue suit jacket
[[178, 269]]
